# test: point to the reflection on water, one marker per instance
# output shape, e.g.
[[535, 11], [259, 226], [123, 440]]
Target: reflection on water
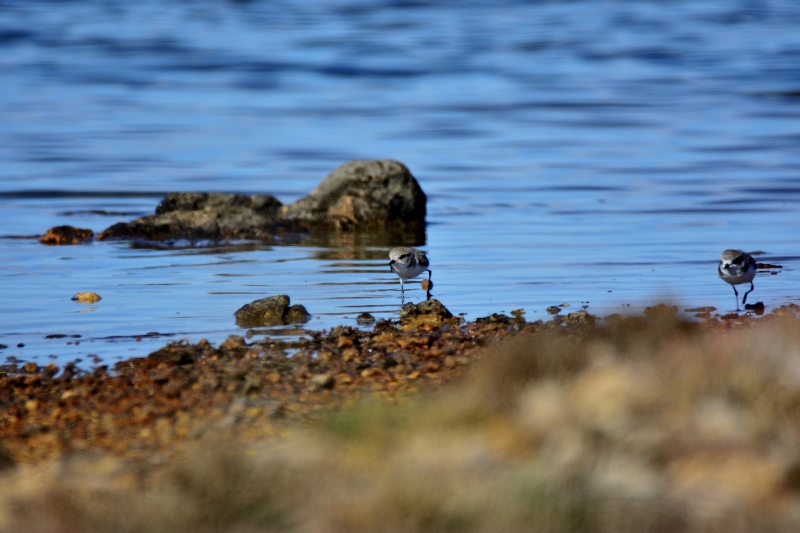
[[570, 151]]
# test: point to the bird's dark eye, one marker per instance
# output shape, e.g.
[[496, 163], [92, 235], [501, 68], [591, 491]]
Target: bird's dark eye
[[404, 256], [738, 260]]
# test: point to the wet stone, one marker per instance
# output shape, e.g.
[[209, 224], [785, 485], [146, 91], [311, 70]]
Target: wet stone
[[495, 318], [296, 314], [554, 309], [365, 319], [383, 325], [233, 343], [50, 370], [176, 353], [429, 311], [264, 312], [271, 311], [61, 235], [581, 317]]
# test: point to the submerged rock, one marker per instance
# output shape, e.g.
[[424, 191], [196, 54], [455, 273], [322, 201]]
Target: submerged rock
[[358, 195], [270, 312], [363, 194], [66, 235]]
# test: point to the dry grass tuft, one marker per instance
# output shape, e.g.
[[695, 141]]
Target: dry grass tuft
[[645, 425]]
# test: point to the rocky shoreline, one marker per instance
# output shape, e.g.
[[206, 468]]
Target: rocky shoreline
[[611, 423], [184, 390]]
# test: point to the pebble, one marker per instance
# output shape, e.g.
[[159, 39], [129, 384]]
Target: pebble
[[86, 297]]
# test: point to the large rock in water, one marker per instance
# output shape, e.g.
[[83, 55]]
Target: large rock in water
[[359, 195], [363, 194]]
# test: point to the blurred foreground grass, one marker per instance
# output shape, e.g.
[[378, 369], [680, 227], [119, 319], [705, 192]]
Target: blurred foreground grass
[[647, 424]]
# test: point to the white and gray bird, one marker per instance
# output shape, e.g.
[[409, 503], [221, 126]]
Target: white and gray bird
[[408, 263], [737, 267]]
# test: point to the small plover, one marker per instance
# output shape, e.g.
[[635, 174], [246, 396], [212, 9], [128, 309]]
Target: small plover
[[737, 267], [408, 263]]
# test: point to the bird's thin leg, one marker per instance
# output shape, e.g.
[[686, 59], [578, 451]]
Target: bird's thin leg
[[744, 300], [428, 291], [737, 296]]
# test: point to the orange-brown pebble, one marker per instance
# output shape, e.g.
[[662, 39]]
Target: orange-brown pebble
[[66, 235], [86, 297], [426, 284], [344, 342]]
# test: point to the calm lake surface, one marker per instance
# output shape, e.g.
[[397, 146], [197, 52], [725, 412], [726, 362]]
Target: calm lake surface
[[588, 152]]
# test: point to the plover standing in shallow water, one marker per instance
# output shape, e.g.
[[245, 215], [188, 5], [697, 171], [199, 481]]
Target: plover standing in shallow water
[[408, 263], [737, 267]]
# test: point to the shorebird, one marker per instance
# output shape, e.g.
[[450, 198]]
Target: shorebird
[[408, 263], [737, 267]]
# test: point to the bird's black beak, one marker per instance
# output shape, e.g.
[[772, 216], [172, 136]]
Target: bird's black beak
[[392, 262]]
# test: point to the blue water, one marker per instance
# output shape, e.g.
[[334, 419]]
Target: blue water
[[582, 151]]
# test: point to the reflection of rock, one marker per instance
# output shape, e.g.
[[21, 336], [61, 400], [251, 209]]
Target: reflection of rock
[[269, 312], [429, 312], [195, 215], [359, 195], [363, 194], [66, 235]]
